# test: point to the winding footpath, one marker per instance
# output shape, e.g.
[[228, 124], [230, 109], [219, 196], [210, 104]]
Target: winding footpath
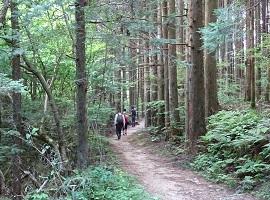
[[163, 180]]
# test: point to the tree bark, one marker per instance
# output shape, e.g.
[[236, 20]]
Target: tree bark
[[161, 88], [81, 83], [258, 45], [210, 65], [154, 69], [174, 110], [165, 62], [196, 105], [251, 95], [142, 79], [147, 86], [265, 30], [16, 101], [248, 67]]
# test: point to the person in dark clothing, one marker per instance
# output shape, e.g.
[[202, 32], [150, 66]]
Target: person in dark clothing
[[119, 122], [133, 116]]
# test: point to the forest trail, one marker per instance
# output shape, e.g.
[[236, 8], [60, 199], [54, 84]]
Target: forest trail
[[162, 180]]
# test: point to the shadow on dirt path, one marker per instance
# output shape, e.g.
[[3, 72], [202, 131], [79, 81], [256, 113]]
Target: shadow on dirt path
[[162, 180]]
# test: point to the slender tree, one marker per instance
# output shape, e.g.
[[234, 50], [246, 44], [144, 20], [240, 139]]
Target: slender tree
[[147, 85], [161, 88], [81, 82], [174, 111], [154, 67], [250, 54], [258, 29], [210, 65], [165, 62], [265, 30], [196, 105], [16, 101]]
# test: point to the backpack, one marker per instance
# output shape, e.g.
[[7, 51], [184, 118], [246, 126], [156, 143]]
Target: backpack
[[126, 119], [133, 113], [119, 119]]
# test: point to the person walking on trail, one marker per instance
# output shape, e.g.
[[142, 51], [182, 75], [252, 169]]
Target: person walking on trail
[[119, 122], [126, 122], [133, 116]]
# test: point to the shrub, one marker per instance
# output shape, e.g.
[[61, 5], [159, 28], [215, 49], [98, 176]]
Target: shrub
[[235, 148], [100, 183]]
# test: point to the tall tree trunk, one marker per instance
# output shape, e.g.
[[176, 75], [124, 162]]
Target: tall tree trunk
[[161, 117], [188, 60], [142, 79], [250, 53], [132, 67], [174, 110], [118, 96], [124, 88], [147, 86], [165, 62], [265, 30], [258, 44], [81, 82], [196, 106], [154, 68], [16, 101], [248, 67], [210, 65]]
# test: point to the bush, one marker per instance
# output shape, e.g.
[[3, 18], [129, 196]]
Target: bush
[[98, 183], [236, 149]]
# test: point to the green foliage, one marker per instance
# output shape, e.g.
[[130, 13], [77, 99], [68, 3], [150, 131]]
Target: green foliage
[[263, 191], [234, 150], [100, 114], [99, 183], [38, 196], [100, 150], [228, 93], [229, 21], [8, 85], [104, 183]]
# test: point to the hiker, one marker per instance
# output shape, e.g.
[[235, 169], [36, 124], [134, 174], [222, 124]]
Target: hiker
[[133, 116], [126, 122], [119, 122]]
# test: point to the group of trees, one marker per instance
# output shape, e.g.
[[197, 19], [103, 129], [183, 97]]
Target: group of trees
[[171, 59]]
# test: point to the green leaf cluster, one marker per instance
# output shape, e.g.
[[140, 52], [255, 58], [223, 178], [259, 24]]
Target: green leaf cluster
[[226, 28], [7, 85], [236, 148], [98, 183]]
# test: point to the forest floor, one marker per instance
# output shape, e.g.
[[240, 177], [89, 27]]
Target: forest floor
[[161, 178]]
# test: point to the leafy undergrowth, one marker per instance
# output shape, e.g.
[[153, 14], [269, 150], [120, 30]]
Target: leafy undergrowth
[[100, 183], [104, 181], [236, 151]]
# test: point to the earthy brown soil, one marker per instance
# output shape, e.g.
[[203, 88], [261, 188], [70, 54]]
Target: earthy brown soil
[[161, 179]]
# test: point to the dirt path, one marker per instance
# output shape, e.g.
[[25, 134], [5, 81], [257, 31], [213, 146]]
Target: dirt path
[[163, 180]]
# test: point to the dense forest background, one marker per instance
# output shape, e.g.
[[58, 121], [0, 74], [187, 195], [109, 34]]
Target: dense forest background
[[191, 68]]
